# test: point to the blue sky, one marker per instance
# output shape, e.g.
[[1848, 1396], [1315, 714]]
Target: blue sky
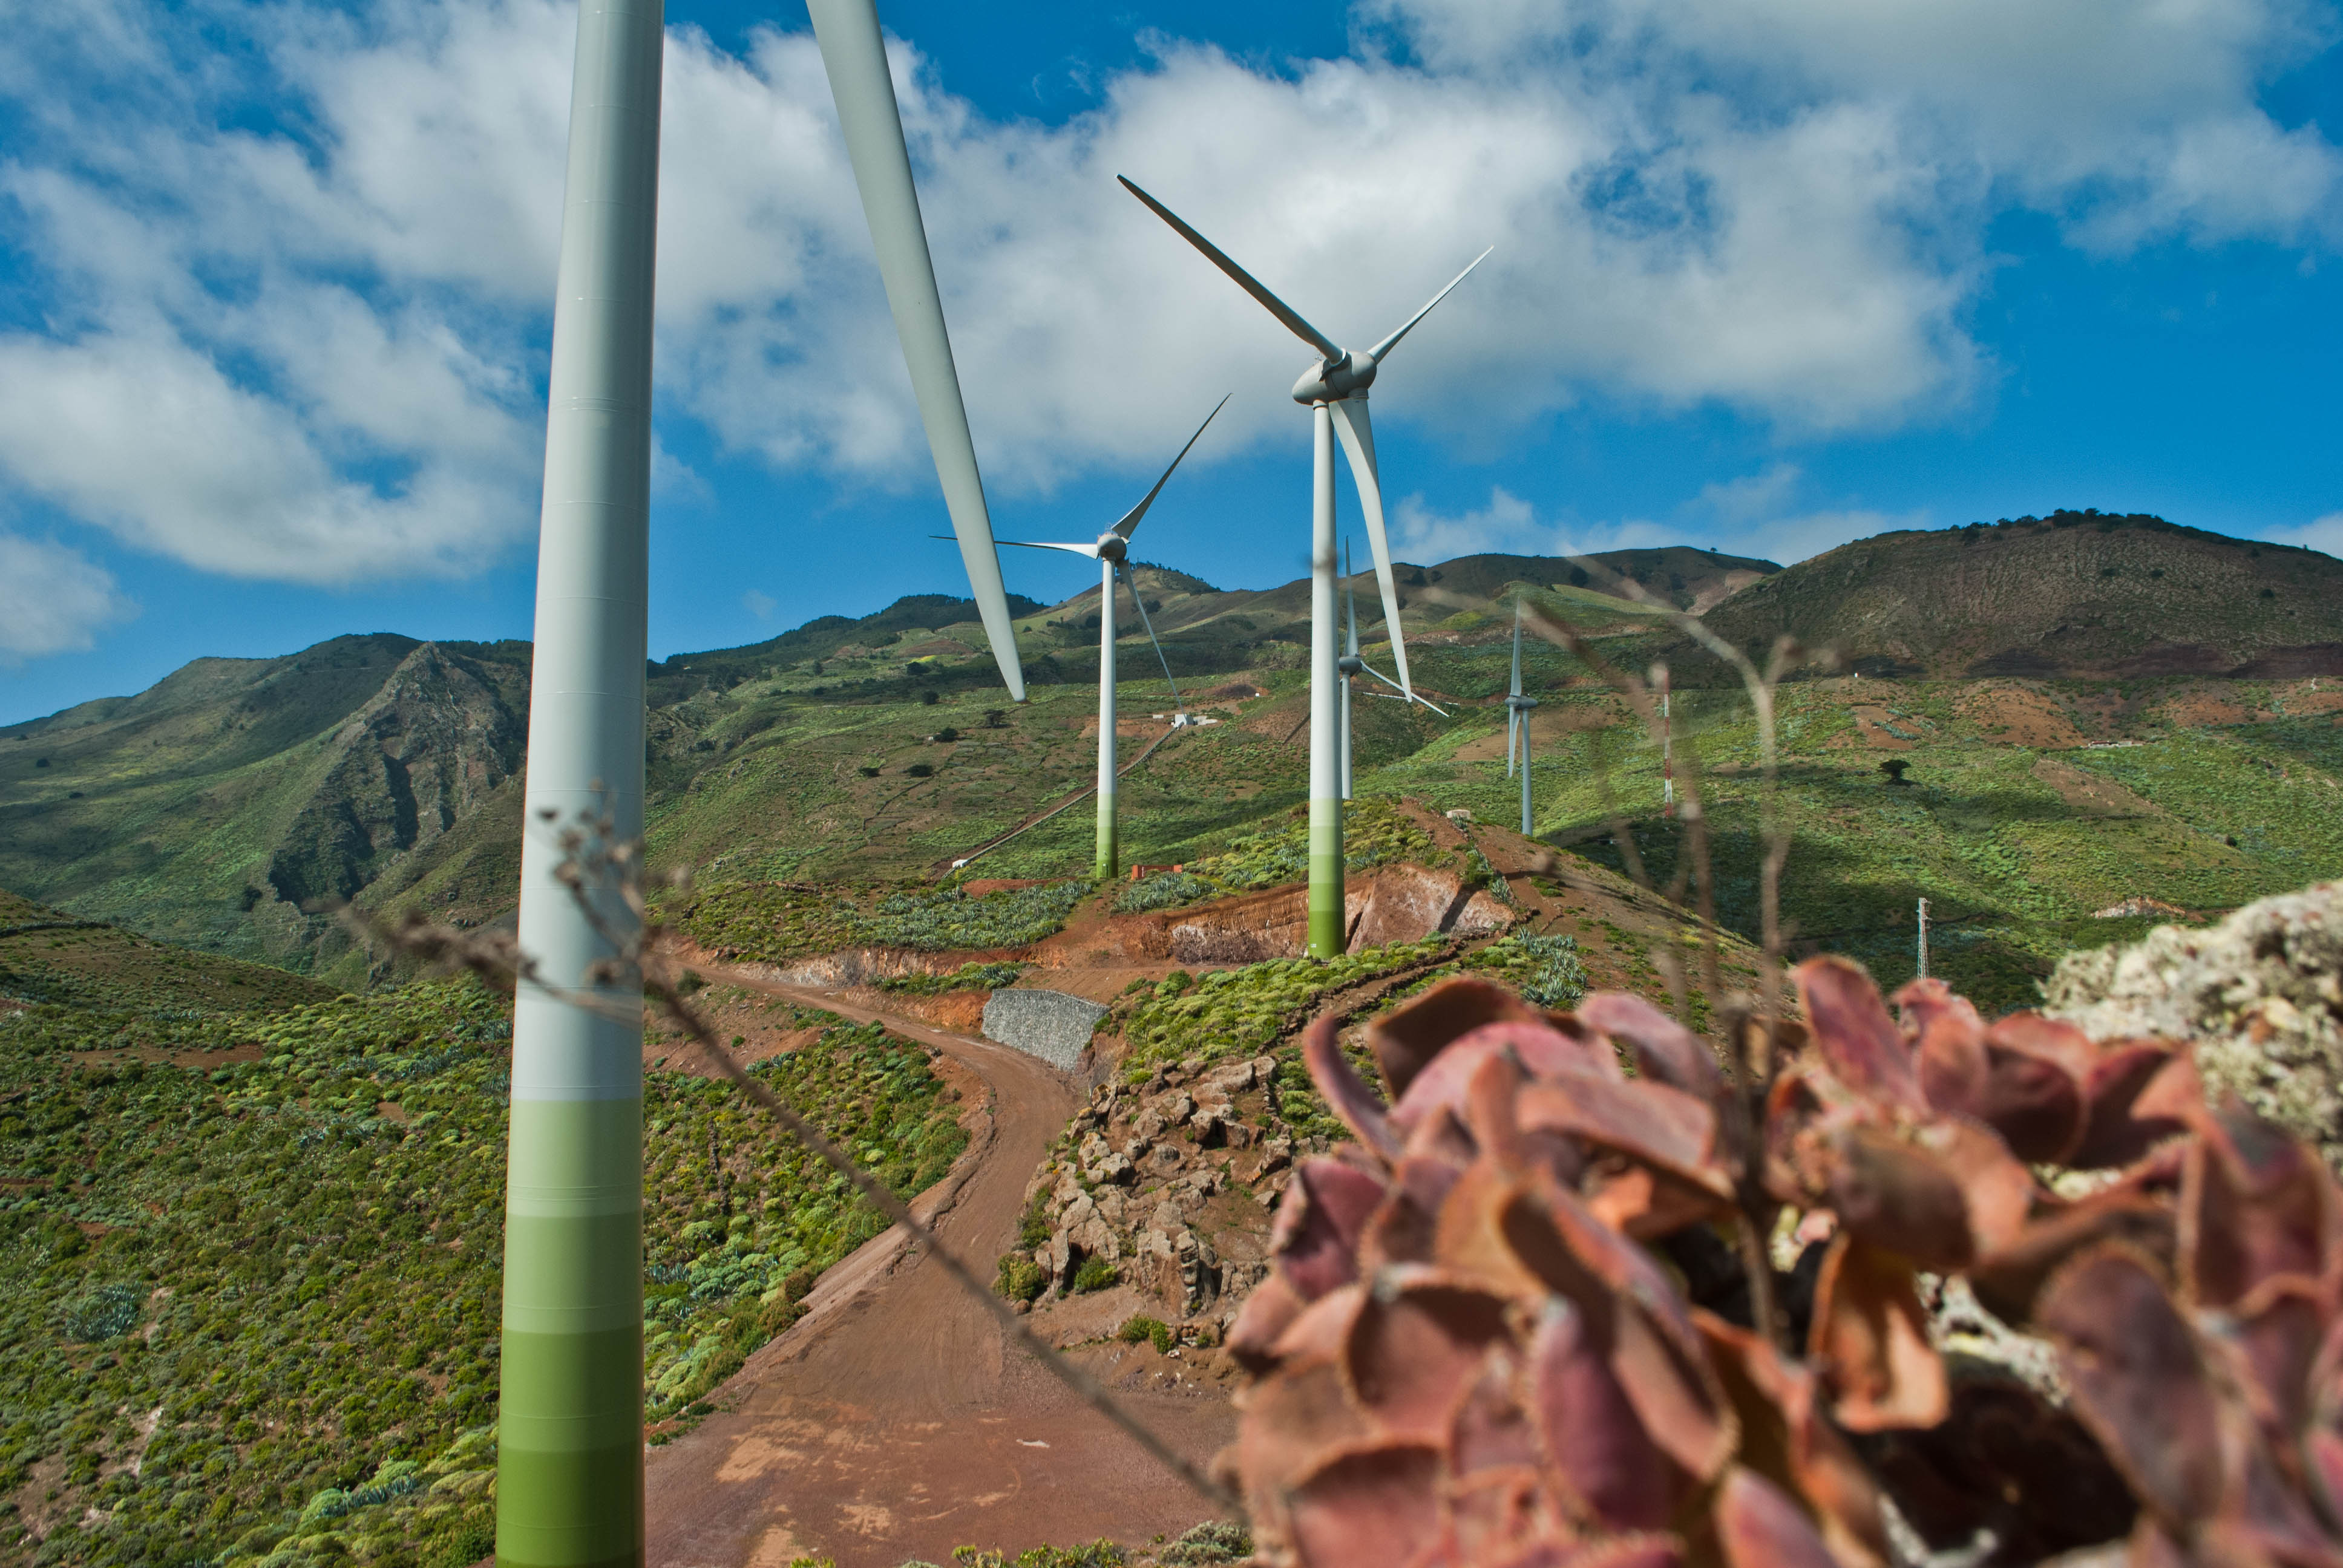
[[1770, 275]]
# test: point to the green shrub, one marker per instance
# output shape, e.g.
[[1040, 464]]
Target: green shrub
[[1096, 1274], [1209, 1544], [1164, 891], [1021, 1278], [1145, 1331], [464, 1546], [968, 977], [1546, 970]]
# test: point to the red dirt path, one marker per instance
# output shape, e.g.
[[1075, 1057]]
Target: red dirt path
[[893, 1422]]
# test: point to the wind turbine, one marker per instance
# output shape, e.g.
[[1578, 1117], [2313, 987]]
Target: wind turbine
[[1352, 666], [1112, 550], [1335, 390], [570, 1453], [855, 56], [1517, 721]]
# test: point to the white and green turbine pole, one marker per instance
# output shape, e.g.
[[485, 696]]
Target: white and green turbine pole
[[1335, 391], [570, 1454]]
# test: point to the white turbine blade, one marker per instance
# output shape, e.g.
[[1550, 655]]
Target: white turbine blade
[[1089, 551], [1405, 695], [1350, 606], [1123, 570], [1244, 280], [1512, 730], [1131, 519], [1358, 435], [855, 56], [1375, 355], [1517, 647]]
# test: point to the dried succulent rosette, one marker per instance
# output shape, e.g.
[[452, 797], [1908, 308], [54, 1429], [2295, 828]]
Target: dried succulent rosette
[[1480, 1344]]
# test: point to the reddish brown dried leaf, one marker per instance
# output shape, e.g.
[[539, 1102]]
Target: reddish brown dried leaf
[[1360, 1107], [1408, 1038], [1997, 1192], [1759, 1527], [1851, 1029], [1372, 1504], [2278, 1333], [1491, 1430], [1666, 1050], [1470, 1242], [1870, 1337], [1662, 1127], [2007, 1281], [2116, 1129], [1784, 1439], [1319, 1222], [1593, 1433], [2138, 1379], [1267, 1313], [1293, 1419], [1948, 1045], [2036, 1071], [1321, 1329], [1405, 1228], [1496, 1515], [1621, 1551], [2255, 1205], [1647, 1204], [1899, 1197], [1411, 1358], [1542, 1050]]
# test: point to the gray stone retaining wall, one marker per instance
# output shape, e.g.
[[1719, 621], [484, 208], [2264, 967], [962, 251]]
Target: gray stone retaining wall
[[1049, 1024]]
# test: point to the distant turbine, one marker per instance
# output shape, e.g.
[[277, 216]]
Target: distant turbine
[[855, 56], [569, 1448], [1517, 721], [1335, 388], [1112, 550], [1352, 666]]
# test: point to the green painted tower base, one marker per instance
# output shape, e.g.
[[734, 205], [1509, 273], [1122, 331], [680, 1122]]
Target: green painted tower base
[[1109, 866], [1327, 936]]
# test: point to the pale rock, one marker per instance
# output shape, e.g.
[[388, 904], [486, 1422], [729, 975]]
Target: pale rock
[[1233, 1079], [1148, 1124], [1115, 1170], [1165, 1159], [1167, 1217]]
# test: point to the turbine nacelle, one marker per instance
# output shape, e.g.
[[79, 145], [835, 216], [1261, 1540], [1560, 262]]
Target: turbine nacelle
[[1331, 380], [1112, 547]]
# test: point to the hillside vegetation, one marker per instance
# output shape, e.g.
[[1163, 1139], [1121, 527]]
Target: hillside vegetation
[[2073, 594], [250, 1253], [215, 809]]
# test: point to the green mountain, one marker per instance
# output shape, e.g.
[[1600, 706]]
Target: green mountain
[[219, 808], [2072, 594]]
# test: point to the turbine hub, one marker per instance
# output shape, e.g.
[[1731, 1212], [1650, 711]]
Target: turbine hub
[[1112, 547], [1331, 380], [1350, 664], [1521, 704]]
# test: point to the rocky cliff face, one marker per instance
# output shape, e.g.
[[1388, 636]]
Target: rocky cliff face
[[425, 752]]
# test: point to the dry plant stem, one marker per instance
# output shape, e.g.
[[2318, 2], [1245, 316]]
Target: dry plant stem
[[495, 958]]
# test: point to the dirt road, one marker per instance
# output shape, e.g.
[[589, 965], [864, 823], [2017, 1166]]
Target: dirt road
[[893, 1422]]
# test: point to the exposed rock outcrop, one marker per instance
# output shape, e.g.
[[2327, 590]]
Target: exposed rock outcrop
[[2260, 995]]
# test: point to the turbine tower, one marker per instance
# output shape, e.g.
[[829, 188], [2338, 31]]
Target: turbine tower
[[855, 56], [1112, 550], [570, 1451], [1335, 391], [1517, 721]]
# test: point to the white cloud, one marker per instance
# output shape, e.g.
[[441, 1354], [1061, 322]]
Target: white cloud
[[314, 350], [2323, 534], [761, 605], [52, 598], [1506, 526], [1752, 496]]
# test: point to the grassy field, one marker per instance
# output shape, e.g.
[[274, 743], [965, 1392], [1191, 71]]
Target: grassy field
[[250, 1251]]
